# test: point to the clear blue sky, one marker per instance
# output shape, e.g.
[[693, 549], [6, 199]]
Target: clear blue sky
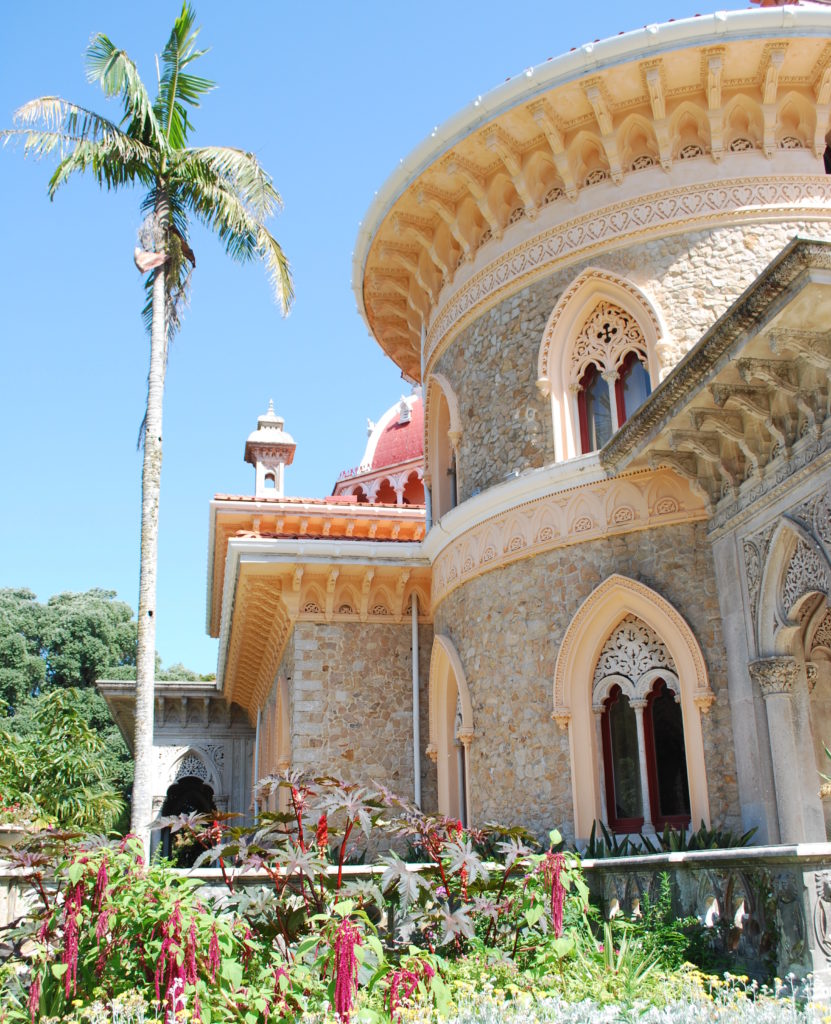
[[330, 96]]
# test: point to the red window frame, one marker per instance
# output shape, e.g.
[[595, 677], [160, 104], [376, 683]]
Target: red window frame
[[615, 823], [658, 820], [629, 825]]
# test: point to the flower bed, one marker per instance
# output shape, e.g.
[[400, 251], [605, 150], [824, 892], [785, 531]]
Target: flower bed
[[495, 929]]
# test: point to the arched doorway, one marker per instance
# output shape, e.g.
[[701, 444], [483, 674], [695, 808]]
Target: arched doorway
[[187, 795]]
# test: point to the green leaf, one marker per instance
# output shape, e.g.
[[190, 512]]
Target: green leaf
[[75, 872], [232, 972], [58, 970], [344, 908], [533, 914], [555, 837]]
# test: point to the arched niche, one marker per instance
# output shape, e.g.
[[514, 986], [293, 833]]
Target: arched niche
[[451, 729], [587, 633], [443, 431], [555, 369], [797, 567]]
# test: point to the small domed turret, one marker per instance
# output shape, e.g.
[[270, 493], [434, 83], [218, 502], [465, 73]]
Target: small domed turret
[[269, 449]]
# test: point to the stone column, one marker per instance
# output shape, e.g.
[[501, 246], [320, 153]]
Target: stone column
[[597, 714], [776, 678], [638, 707], [610, 376]]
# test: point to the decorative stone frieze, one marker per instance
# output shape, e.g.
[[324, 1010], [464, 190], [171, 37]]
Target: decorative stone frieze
[[602, 509], [774, 676], [671, 210]]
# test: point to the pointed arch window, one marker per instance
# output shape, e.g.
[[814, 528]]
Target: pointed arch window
[[610, 374]]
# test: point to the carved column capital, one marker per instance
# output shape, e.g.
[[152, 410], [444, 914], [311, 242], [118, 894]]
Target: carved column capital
[[454, 436], [283, 764], [703, 701], [811, 675], [432, 753], [775, 676], [544, 386], [465, 737], [562, 716]]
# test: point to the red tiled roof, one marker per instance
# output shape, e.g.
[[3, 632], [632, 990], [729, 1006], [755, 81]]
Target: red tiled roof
[[401, 441]]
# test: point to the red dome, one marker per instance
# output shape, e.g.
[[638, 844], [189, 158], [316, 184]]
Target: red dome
[[400, 442]]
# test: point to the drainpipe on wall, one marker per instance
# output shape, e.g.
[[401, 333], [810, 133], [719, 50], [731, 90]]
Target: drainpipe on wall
[[428, 499], [256, 761], [416, 712]]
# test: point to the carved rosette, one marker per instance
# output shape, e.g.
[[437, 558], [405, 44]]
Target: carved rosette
[[775, 676]]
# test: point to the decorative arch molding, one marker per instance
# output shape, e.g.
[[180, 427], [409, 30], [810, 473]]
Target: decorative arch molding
[[587, 634], [797, 566], [194, 763], [439, 381], [573, 309], [446, 669]]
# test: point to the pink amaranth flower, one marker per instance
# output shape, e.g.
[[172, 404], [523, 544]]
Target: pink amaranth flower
[[214, 956], [404, 982], [34, 998], [190, 954], [552, 867], [101, 882], [346, 968], [73, 899]]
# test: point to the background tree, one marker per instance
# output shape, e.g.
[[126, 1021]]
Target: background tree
[[224, 188], [59, 769]]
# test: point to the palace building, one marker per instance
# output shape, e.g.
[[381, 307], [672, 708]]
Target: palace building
[[582, 571]]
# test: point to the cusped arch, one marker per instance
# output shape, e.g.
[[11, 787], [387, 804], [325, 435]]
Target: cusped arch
[[796, 567], [195, 763], [600, 614]]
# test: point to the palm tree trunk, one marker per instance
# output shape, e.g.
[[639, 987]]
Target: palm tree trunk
[[142, 805]]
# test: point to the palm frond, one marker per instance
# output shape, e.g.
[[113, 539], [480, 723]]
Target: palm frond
[[109, 165], [65, 125], [177, 87], [118, 76], [278, 268], [242, 170]]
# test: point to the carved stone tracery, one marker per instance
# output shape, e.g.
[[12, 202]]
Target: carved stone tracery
[[192, 766], [606, 338], [632, 654], [805, 573]]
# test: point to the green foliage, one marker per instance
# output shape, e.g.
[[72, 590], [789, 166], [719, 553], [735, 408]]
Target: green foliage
[[608, 844], [59, 768], [677, 840], [22, 667]]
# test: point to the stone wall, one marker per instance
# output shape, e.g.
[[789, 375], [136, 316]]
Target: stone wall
[[691, 278], [507, 626], [350, 687]]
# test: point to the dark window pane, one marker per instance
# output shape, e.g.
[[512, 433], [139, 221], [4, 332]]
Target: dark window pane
[[636, 386], [670, 756], [623, 732], [598, 411]]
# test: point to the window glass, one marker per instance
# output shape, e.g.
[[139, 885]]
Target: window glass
[[626, 776], [636, 385], [598, 409], [670, 757]]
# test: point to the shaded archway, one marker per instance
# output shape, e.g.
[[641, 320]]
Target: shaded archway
[[187, 795]]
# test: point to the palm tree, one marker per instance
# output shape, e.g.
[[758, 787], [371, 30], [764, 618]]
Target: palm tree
[[224, 188]]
